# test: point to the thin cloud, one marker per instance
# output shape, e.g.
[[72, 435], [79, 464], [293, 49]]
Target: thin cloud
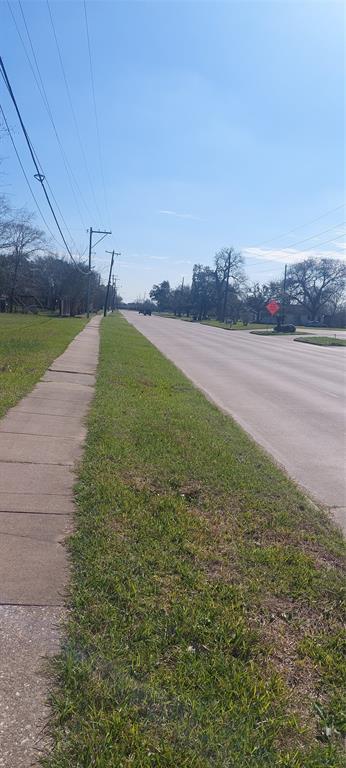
[[180, 215], [158, 258], [134, 265], [291, 255]]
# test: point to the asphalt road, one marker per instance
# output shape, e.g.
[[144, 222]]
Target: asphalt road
[[290, 397]]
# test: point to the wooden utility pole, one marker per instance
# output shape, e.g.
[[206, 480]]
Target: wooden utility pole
[[226, 288], [284, 295], [109, 283], [114, 297], [109, 279], [91, 233]]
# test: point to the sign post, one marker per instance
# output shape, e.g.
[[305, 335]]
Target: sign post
[[273, 307]]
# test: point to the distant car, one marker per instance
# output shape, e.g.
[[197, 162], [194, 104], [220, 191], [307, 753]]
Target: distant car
[[144, 311], [314, 324]]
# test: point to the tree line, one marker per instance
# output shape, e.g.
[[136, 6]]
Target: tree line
[[313, 290], [33, 277]]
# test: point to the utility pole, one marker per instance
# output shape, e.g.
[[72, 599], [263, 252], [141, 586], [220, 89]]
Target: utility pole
[[91, 233], [108, 284], [109, 280], [114, 297], [226, 288], [284, 296], [181, 295]]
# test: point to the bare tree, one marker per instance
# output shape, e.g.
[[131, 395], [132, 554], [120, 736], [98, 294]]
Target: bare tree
[[314, 283], [33, 275], [6, 222], [256, 299], [24, 242], [228, 264]]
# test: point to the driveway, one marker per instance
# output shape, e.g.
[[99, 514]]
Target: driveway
[[289, 397]]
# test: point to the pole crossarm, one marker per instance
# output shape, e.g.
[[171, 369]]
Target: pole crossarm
[[92, 232], [97, 232]]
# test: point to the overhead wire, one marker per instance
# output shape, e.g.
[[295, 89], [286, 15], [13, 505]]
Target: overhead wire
[[267, 268], [73, 113], [325, 242], [26, 176], [39, 173], [95, 112], [311, 237], [284, 251], [42, 91], [301, 226]]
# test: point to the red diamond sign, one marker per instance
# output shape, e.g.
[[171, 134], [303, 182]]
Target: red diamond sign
[[273, 306]]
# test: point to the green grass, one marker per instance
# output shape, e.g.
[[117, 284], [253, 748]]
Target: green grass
[[278, 333], [324, 341], [28, 344], [326, 328], [234, 326], [206, 596], [171, 315]]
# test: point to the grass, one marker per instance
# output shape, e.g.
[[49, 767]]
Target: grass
[[234, 326], [28, 344], [170, 315], [324, 341], [279, 333], [239, 326], [205, 628]]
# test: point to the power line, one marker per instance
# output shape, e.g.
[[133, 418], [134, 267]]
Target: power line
[[311, 237], [42, 91], [44, 98], [68, 91], [39, 174], [43, 94], [26, 177], [28, 182], [325, 242], [301, 226], [95, 110], [303, 250]]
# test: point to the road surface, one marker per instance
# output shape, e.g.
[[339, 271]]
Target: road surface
[[289, 397]]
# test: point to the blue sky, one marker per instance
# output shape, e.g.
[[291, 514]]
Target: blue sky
[[221, 123]]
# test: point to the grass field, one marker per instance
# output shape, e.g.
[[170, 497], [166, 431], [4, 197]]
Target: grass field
[[28, 344], [206, 600], [324, 341]]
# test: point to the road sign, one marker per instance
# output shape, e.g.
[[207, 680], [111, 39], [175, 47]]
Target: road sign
[[273, 306]]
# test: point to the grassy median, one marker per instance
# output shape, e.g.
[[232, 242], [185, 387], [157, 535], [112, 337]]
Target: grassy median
[[28, 344], [324, 341], [239, 326], [206, 599]]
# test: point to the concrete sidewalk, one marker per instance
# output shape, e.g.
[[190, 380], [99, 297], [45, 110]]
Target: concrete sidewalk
[[41, 439]]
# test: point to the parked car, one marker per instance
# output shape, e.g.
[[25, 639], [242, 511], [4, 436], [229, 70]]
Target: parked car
[[314, 324]]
